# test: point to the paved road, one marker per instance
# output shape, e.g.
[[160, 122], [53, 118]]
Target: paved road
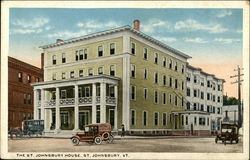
[[124, 145]]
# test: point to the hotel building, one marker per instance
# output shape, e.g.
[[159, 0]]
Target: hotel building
[[119, 76]]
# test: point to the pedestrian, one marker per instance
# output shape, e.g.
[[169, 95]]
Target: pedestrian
[[123, 131]]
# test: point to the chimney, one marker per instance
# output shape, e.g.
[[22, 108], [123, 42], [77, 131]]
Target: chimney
[[42, 60], [137, 25], [59, 40]]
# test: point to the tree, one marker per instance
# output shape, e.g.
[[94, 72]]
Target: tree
[[230, 100]]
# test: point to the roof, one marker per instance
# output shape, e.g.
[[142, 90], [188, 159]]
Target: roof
[[124, 28], [205, 73]]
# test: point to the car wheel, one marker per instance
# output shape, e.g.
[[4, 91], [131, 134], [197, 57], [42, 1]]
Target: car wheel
[[216, 140], [98, 140], [237, 141], [75, 141], [111, 138], [29, 133], [105, 136]]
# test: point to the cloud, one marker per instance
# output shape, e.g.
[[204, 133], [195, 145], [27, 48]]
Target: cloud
[[165, 39], [33, 23], [154, 25], [69, 34], [25, 31], [227, 40], [193, 25], [224, 13], [195, 40], [94, 24]]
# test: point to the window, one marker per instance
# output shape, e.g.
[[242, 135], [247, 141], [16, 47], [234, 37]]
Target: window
[[72, 74], [176, 100], [195, 93], [195, 106], [175, 67], [133, 48], [112, 70], [182, 120], [98, 90], [64, 118], [208, 121], [208, 108], [145, 73], [208, 96], [213, 109], [24, 98], [218, 99], [63, 94], [20, 77], [81, 54], [133, 70], [112, 48], [29, 98], [188, 77], [182, 85], [202, 121], [100, 51], [213, 98], [54, 76], [145, 93], [86, 92], [170, 98], [202, 81], [195, 121], [111, 91], [170, 118], [155, 97], [170, 64], [188, 105], [170, 81], [156, 78], [164, 98], [133, 92], [202, 107], [144, 115], [63, 58], [164, 119], [156, 58], [188, 92], [145, 53], [85, 54], [63, 75], [98, 119], [24, 116], [208, 83], [195, 79], [176, 83], [81, 73], [29, 116], [54, 59], [90, 71], [29, 78], [202, 95], [219, 89], [182, 101], [100, 70], [186, 120], [37, 79], [156, 118], [182, 69], [164, 62], [164, 80], [133, 117], [76, 56], [218, 110]]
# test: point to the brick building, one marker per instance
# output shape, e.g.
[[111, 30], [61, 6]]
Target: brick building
[[20, 98]]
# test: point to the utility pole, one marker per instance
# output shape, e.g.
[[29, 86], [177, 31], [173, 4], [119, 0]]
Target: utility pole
[[238, 81]]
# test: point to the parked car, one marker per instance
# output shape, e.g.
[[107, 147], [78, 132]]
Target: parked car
[[229, 132], [30, 127], [94, 133]]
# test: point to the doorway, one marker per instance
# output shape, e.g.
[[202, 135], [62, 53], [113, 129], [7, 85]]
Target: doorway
[[112, 117], [83, 119]]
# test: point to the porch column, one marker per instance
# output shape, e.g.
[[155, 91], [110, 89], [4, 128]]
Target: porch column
[[76, 109], [42, 104], [116, 101], [103, 103], [93, 103], [35, 101], [57, 110]]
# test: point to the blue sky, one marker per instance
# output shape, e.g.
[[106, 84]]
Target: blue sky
[[210, 36]]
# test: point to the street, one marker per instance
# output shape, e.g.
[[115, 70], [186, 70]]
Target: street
[[169, 144]]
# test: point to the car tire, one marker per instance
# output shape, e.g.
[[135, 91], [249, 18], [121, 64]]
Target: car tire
[[237, 141], [75, 141], [105, 136], [98, 140], [111, 138]]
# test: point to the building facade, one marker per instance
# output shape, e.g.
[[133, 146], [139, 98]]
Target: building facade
[[204, 102], [119, 76], [20, 93]]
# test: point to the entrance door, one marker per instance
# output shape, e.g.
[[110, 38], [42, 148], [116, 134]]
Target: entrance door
[[175, 121], [112, 117], [83, 119]]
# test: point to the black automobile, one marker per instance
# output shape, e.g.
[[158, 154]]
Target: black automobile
[[30, 127], [229, 132]]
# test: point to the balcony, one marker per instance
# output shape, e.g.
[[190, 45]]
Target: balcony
[[82, 101]]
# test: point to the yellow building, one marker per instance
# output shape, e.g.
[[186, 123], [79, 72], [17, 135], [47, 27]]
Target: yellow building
[[119, 76]]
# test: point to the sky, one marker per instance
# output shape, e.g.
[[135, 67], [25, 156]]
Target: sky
[[212, 37]]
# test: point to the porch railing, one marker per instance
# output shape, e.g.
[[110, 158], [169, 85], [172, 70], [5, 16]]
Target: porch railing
[[110, 100], [85, 100], [67, 101]]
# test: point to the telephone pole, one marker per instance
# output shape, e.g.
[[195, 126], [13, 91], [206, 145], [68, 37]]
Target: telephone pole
[[238, 81]]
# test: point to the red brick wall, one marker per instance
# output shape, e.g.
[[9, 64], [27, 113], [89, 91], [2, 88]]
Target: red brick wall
[[16, 91]]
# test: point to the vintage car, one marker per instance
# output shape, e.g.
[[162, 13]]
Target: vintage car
[[94, 133], [229, 132]]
